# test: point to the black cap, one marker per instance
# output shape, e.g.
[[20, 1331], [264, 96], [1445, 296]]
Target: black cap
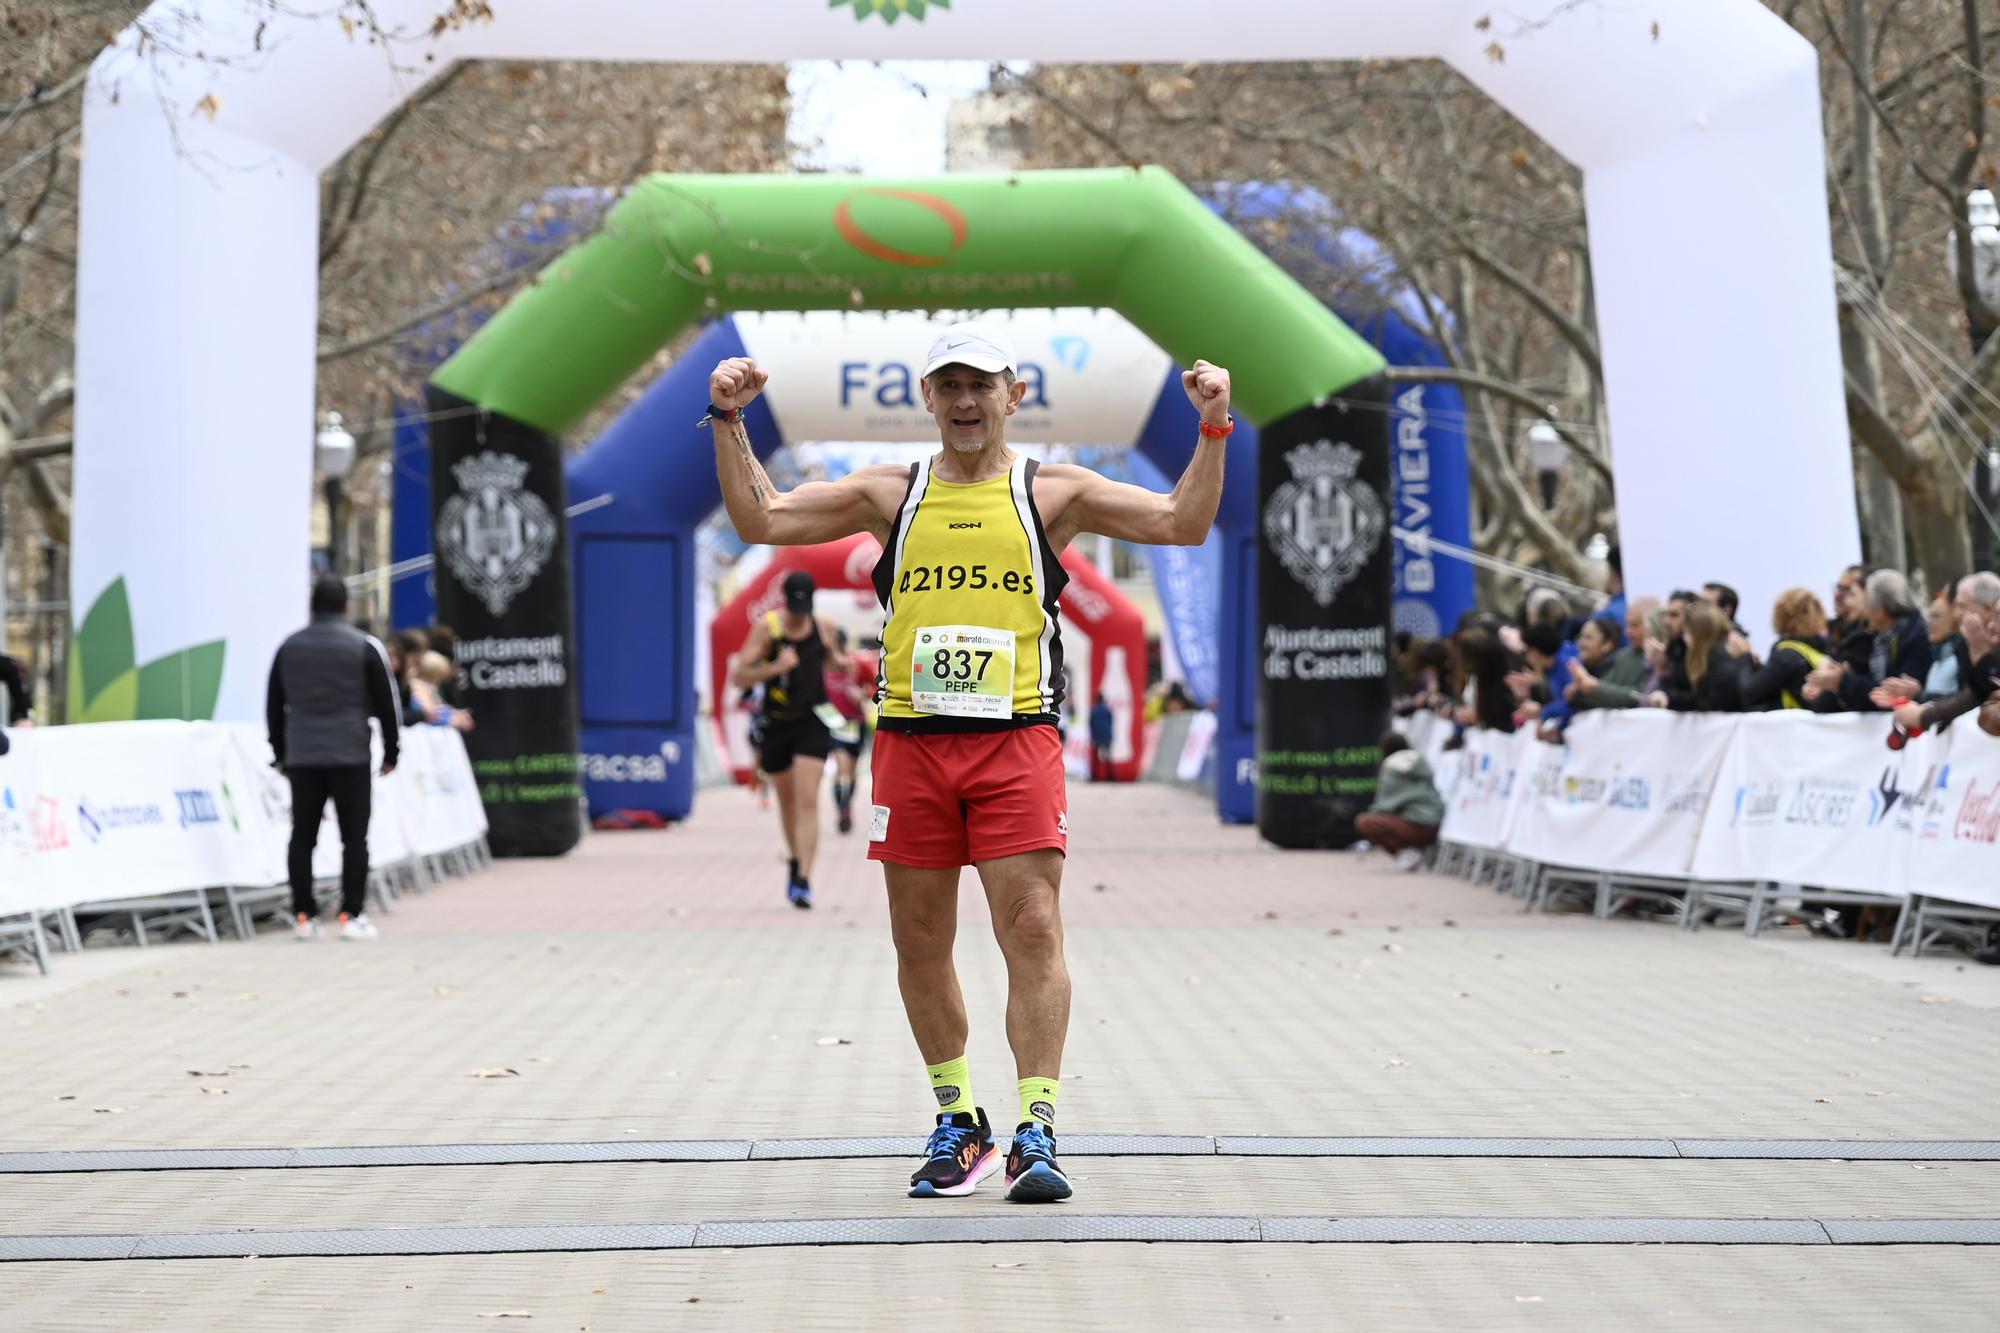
[[799, 589]]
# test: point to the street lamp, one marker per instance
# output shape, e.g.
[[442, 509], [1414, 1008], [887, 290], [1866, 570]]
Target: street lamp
[[1546, 454], [333, 455], [1983, 217]]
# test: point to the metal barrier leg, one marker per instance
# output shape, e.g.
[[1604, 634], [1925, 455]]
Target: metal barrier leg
[[1754, 923], [1902, 924], [1602, 909]]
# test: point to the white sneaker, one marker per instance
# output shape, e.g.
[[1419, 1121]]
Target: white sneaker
[[1409, 859], [358, 928], [305, 927]]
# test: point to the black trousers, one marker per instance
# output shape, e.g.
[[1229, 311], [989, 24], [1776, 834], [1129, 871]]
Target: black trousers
[[350, 789]]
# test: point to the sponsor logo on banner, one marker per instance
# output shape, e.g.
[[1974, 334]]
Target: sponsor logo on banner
[[875, 247], [45, 823], [1935, 801], [1633, 795], [94, 821], [1756, 805], [1684, 796], [1414, 571], [1323, 524], [1978, 814], [632, 767], [891, 10], [1824, 803], [198, 806], [492, 535], [14, 832]]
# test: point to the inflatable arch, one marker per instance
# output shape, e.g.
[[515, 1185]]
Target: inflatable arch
[[676, 248], [1098, 620], [1698, 137], [848, 376]]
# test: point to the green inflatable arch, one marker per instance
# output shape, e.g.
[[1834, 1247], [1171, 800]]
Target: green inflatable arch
[[678, 249]]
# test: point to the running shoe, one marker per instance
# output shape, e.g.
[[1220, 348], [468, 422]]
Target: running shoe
[[959, 1155], [305, 927], [1032, 1173], [799, 894], [357, 927]]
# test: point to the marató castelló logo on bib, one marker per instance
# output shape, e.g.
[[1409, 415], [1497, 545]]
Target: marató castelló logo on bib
[[1324, 523], [494, 536]]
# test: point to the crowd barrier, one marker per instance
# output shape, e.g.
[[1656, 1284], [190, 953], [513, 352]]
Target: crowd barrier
[[1786, 804], [149, 819]]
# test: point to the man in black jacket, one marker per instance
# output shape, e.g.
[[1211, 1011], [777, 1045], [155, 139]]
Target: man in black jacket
[[326, 682], [1901, 646]]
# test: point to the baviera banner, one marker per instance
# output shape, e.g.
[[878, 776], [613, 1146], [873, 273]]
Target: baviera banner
[[1323, 596], [503, 586]]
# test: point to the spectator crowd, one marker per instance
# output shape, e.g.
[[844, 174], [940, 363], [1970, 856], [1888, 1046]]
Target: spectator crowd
[[1882, 648]]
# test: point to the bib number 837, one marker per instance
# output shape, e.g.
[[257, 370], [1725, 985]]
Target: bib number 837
[[958, 664]]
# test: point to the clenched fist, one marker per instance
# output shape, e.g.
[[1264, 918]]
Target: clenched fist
[[1207, 388], [735, 383]]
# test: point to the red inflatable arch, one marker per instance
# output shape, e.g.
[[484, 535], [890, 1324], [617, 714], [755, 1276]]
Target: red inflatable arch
[[1092, 604]]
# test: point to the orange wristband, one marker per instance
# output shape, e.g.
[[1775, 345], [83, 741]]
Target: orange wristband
[[1209, 432]]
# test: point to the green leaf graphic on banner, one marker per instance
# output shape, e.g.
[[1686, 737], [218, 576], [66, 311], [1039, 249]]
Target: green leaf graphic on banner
[[890, 10], [101, 652], [116, 702], [183, 684], [105, 685]]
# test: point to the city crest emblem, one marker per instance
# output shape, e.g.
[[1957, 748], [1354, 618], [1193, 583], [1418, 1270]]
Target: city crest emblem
[[1324, 523], [493, 536]]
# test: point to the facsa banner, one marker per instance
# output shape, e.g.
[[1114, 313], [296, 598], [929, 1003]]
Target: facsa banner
[[1483, 781], [1627, 792], [1091, 377]]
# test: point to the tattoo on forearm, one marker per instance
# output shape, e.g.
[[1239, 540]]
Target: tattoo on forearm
[[760, 483]]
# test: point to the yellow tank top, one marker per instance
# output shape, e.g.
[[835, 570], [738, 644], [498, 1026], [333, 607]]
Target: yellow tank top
[[970, 583]]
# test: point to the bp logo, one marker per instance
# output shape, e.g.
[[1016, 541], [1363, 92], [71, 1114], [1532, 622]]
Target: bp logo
[[494, 536], [1323, 524], [890, 10]]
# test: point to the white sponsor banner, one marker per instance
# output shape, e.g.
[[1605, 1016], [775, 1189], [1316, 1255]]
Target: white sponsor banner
[[1626, 791], [1815, 800], [1092, 378], [23, 823], [1956, 820], [131, 810], [1485, 773]]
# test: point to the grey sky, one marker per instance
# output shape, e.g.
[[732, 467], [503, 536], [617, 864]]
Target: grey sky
[[875, 118]]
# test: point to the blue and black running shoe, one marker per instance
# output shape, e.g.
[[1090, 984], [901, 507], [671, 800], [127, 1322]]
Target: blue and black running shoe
[[959, 1155], [1032, 1173], [799, 893]]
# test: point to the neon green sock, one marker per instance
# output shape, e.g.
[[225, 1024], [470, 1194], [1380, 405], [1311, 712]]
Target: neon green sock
[[951, 1083], [1038, 1100]]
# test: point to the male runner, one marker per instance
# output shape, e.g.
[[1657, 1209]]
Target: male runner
[[788, 655], [968, 766], [849, 691]]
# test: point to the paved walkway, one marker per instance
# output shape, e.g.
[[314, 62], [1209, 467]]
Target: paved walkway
[[656, 987]]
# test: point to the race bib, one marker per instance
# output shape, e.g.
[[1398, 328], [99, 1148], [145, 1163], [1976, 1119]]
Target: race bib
[[962, 671], [829, 716]]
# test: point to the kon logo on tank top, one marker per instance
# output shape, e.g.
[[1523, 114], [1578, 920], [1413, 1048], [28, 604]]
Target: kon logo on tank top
[[970, 585]]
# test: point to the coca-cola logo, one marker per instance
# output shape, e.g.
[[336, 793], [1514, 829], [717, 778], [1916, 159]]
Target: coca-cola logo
[[1978, 815]]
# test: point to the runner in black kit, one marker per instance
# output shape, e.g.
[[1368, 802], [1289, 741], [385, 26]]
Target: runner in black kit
[[788, 654]]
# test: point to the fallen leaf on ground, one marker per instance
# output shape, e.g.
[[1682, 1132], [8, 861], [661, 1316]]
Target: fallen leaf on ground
[[508, 1314], [1449, 922], [496, 1073], [1527, 1300], [440, 990], [110, 1110], [1538, 1050], [208, 1073], [1392, 948], [216, 1092], [1336, 932], [1016, 1263], [1399, 1064], [833, 1041], [1823, 1101], [67, 1097], [1270, 916], [1929, 999]]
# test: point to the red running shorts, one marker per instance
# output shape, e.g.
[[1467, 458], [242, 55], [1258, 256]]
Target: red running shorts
[[946, 799]]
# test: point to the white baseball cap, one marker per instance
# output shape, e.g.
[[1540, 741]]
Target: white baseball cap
[[973, 345]]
